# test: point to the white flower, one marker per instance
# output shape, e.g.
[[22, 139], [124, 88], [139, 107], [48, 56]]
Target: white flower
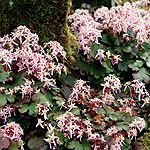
[[40, 123]]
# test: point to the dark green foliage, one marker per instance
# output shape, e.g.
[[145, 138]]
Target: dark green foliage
[[93, 3]]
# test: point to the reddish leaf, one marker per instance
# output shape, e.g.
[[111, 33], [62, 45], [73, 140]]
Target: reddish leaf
[[4, 142]]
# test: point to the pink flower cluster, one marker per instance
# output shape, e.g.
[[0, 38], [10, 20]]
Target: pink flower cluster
[[111, 131], [115, 59], [73, 126], [96, 138], [13, 131], [43, 110], [120, 18], [20, 50], [136, 124], [117, 138], [137, 88], [139, 3], [51, 139], [111, 82], [24, 89], [80, 91], [85, 29], [6, 112], [119, 141]]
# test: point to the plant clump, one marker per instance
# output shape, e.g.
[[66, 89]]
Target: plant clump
[[102, 104]]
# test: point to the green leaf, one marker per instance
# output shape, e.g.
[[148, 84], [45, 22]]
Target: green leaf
[[66, 140], [3, 99], [85, 144], [106, 118], [48, 95], [126, 147], [11, 98], [131, 32], [128, 141], [106, 64], [123, 66], [127, 57], [59, 103], [19, 79], [108, 110], [97, 75], [146, 45], [116, 42], [3, 76], [11, 2], [88, 117], [143, 55], [133, 66], [148, 63], [39, 96], [142, 74], [135, 51], [75, 145], [118, 49], [83, 66], [94, 48], [118, 115], [75, 111], [121, 125], [24, 108], [38, 84], [109, 70], [14, 146], [92, 54], [139, 63], [43, 98], [113, 117], [61, 136], [108, 38], [127, 49], [57, 98], [36, 143], [32, 109], [100, 111], [96, 70], [125, 127]]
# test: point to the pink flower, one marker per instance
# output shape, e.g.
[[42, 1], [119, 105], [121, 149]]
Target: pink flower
[[112, 131], [40, 123]]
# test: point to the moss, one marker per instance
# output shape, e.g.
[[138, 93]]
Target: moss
[[146, 140], [47, 18]]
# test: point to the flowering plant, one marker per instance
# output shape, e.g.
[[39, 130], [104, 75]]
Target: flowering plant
[[24, 64], [43, 108], [107, 121], [116, 36]]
